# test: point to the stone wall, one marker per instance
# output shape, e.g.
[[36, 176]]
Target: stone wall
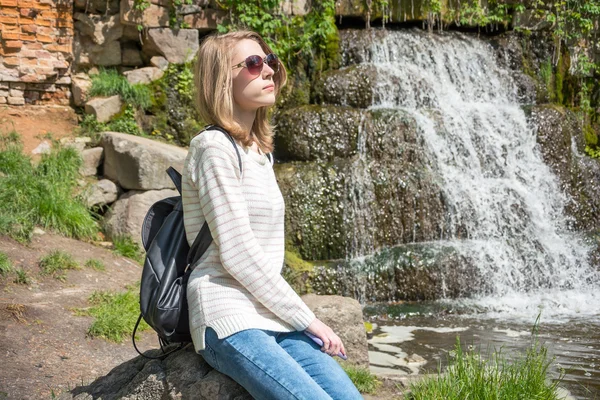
[[35, 51]]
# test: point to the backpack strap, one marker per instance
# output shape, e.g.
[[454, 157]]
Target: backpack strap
[[175, 177], [230, 139]]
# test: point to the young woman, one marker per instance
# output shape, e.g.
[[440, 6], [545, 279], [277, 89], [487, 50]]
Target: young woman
[[246, 320]]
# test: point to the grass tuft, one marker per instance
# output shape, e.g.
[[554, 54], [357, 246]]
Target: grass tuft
[[96, 264], [472, 376], [125, 246], [42, 194], [6, 266], [22, 278], [56, 263], [115, 313], [109, 83], [362, 378]]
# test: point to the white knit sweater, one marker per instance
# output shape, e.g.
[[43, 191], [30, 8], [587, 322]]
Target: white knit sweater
[[237, 283]]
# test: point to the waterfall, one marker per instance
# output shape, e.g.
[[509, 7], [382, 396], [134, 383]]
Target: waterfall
[[506, 206]]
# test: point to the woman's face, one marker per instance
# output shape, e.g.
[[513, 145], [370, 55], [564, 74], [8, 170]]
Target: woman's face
[[251, 92]]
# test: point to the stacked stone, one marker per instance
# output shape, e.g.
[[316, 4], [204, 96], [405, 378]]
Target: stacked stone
[[35, 51]]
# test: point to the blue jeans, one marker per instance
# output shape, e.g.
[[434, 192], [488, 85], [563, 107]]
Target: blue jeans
[[278, 365]]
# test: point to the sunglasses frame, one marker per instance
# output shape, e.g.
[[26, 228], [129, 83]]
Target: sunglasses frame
[[264, 61]]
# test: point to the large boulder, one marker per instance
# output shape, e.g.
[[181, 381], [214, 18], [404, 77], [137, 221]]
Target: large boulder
[[344, 316], [176, 46], [185, 375], [100, 29], [139, 163], [126, 216]]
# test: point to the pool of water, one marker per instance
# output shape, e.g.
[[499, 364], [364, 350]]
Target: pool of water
[[412, 339]]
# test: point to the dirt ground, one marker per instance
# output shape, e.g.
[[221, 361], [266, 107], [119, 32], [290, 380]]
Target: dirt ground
[[43, 344], [33, 122]]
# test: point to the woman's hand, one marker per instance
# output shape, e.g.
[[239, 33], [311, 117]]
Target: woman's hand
[[332, 344]]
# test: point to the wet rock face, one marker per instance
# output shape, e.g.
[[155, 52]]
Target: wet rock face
[[561, 141]]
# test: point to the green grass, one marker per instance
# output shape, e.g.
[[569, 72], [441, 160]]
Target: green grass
[[127, 247], [362, 378], [108, 82], [115, 314], [22, 277], [56, 263], [472, 376], [41, 194], [6, 266], [96, 264]]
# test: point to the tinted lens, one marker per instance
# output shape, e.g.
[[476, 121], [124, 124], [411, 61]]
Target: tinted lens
[[254, 64], [273, 62]]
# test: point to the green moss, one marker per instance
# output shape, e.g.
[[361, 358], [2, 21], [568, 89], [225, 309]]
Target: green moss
[[297, 272]]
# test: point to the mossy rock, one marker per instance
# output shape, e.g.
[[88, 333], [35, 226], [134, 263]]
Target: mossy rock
[[558, 129], [406, 272], [351, 206]]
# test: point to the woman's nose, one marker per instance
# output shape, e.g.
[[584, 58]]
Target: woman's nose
[[267, 71]]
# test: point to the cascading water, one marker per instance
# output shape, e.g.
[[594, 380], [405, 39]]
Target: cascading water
[[506, 206]]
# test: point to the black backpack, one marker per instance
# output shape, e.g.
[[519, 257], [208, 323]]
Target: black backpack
[[163, 300]]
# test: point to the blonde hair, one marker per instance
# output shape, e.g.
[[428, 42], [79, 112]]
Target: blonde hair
[[214, 92]]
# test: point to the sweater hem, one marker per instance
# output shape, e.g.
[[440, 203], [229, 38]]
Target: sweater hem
[[227, 326]]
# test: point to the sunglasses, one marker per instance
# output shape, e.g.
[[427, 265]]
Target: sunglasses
[[255, 63]]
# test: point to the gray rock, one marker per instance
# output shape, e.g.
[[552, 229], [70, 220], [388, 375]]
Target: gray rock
[[176, 46], [139, 163], [77, 143], [42, 148], [144, 75], [344, 316], [126, 215], [104, 108], [101, 29], [153, 16], [159, 62], [92, 159], [80, 86], [88, 53], [101, 193], [205, 20]]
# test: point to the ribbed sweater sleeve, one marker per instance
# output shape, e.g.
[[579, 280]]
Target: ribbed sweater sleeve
[[216, 177]]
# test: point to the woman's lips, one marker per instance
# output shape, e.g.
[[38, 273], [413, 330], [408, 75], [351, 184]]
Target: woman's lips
[[269, 87]]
